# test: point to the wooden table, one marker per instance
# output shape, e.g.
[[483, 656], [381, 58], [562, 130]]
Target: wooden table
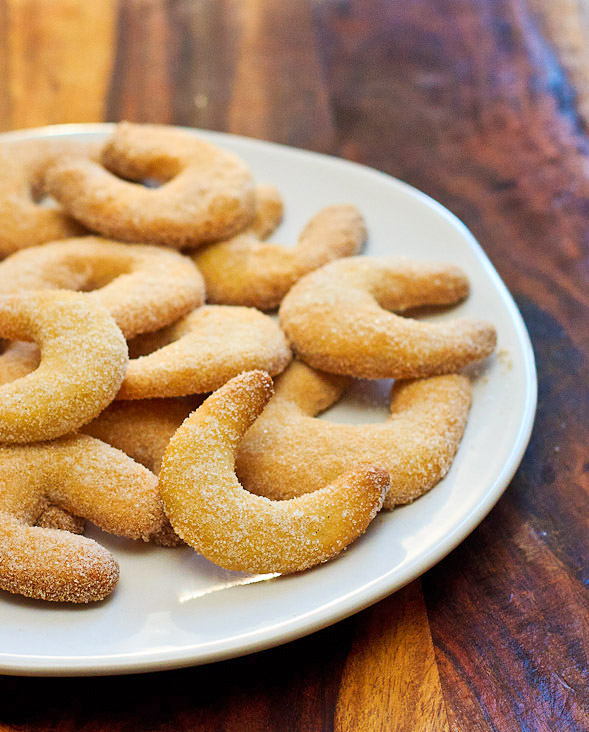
[[484, 105]]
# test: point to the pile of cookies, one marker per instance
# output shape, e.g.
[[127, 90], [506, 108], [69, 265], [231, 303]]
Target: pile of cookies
[[135, 375]]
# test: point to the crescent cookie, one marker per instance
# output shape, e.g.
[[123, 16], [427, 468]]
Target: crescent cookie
[[203, 351], [246, 271], [142, 429], [25, 221], [337, 319], [206, 193], [210, 510], [143, 287], [87, 478], [82, 365], [268, 212], [287, 452]]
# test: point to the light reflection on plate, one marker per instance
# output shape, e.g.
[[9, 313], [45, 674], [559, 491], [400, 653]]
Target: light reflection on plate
[[239, 582]]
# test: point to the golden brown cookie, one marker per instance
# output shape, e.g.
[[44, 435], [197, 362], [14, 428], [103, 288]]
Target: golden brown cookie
[[337, 319], [143, 428], [82, 476], [143, 287], [25, 219], [83, 362], [247, 271], [237, 530], [206, 193], [288, 452], [268, 212], [202, 351]]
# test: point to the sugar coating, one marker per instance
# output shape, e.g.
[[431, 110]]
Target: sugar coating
[[25, 223], [207, 193], [203, 351], [268, 211], [287, 452], [337, 319], [143, 287], [143, 428], [237, 530], [83, 362], [246, 271], [53, 565], [54, 517], [82, 476]]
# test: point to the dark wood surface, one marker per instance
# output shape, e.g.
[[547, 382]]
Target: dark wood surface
[[482, 104]]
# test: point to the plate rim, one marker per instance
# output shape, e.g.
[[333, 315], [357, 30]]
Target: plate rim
[[362, 596]]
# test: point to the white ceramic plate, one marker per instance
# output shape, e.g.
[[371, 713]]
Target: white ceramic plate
[[173, 608]]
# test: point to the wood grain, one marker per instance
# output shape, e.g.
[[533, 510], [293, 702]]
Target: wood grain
[[202, 74], [279, 93], [390, 680], [483, 105], [566, 24], [56, 59], [517, 660], [146, 45]]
